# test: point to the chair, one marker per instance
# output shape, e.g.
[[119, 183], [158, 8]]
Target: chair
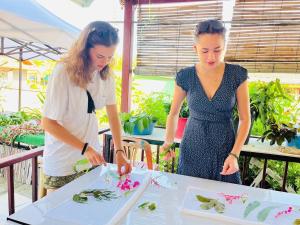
[[132, 146]]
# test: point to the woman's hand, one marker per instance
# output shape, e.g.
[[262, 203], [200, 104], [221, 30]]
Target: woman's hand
[[165, 147], [94, 157], [231, 166], [168, 150], [124, 166]]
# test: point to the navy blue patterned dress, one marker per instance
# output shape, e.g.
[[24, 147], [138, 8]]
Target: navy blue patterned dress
[[209, 134]]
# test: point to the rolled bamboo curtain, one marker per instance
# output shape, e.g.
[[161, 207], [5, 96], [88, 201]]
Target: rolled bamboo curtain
[[165, 35], [265, 35]]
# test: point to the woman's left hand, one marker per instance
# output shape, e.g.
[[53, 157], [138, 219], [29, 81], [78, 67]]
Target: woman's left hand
[[124, 166], [230, 166]]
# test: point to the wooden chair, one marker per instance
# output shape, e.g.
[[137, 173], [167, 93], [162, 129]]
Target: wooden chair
[[132, 146]]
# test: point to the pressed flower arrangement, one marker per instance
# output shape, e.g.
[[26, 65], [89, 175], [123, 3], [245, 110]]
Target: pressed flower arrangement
[[98, 194]]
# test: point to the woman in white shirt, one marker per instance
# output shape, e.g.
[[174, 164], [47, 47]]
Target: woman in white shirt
[[79, 85]]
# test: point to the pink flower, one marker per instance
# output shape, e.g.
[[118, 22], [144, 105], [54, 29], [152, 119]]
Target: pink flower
[[135, 184], [284, 212], [127, 184], [231, 198]]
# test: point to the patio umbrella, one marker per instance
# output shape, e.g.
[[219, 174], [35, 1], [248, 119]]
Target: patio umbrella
[[27, 30], [26, 20]]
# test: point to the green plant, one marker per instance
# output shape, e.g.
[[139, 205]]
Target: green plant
[[293, 178], [11, 132], [278, 133], [32, 114], [184, 110], [154, 105], [13, 118], [130, 120], [270, 100]]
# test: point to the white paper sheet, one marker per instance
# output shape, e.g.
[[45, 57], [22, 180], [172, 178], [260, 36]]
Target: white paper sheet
[[234, 212]]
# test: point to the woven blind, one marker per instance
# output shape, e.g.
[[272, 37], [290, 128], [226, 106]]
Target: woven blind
[[265, 35], [165, 35]]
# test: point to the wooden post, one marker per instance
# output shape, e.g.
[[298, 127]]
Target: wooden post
[[127, 56]]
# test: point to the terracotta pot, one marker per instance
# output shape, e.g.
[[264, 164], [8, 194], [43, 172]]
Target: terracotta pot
[[180, 127]]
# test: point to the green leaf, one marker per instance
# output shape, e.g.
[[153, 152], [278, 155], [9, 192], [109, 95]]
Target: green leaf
[[81, 165], [263, 214], [140, 125], [143, 205], [201, 198], [250, 207], [208, 205], [79, 198], [152, 206], [220, 207], [145, 122]]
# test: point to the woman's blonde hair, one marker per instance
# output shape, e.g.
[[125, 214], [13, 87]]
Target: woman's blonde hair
[[77, 60]]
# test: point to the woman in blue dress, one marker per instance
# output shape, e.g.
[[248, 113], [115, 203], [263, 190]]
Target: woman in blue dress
[[210, 148]]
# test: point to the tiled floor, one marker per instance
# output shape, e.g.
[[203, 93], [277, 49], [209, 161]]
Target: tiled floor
[[22, 197]]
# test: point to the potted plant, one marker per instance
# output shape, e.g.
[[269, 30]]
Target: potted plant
[[183, 116], [270, 99], [295, 141], [138, 124], [278, 133]]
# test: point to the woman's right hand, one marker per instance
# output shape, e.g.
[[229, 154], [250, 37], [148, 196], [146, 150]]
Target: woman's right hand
[[166, 146], [94, 157], [167, 149]]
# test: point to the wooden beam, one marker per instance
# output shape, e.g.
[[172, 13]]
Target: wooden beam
[[127, 56], [142, 2]]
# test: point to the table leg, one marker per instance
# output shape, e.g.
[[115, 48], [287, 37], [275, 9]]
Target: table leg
[[34, 179], [285, 176], [245, 169], [143, 155], [112, 150], [262, 184], [157, 154]]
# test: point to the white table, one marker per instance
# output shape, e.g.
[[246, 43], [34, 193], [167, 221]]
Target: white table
[[169, 200]]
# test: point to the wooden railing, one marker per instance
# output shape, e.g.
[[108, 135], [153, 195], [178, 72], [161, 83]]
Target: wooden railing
[[9, 162]]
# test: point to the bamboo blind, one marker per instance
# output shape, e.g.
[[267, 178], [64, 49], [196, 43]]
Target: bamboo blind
[[165, 35], [265, 35]]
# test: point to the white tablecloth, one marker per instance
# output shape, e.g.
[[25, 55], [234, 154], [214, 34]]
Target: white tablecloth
[[168, 194]]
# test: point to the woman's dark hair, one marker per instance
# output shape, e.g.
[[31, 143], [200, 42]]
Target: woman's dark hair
[[210, 27]]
